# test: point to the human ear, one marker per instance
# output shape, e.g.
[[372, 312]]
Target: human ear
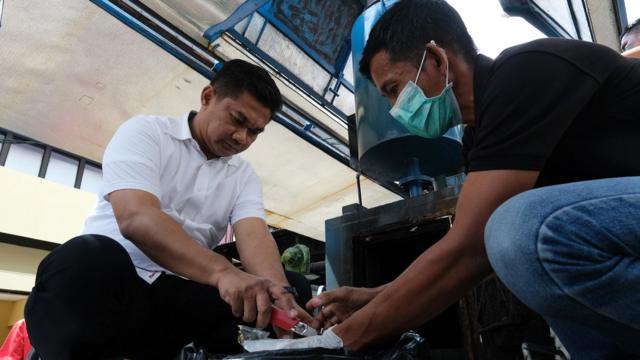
[[208, 93], [439, 56]]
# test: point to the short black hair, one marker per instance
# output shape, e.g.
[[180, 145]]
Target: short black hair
[[633, 28], [409, 25], [237, 76]]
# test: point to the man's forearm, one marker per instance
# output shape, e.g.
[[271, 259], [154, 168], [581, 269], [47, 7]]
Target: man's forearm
[[439, 277], [166, 243], [258, 251], [262, 258]]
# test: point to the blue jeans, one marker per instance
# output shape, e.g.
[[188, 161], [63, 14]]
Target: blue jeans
[[571, 252]]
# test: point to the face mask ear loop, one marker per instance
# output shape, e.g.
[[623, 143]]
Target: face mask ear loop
[[424, 56], [446, 79]]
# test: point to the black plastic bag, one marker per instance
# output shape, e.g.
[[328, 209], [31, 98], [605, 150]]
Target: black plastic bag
[[194, 351], [410, 346]]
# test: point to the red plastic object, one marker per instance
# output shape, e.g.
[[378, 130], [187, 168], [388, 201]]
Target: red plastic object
[[281, 319], [16, 345]]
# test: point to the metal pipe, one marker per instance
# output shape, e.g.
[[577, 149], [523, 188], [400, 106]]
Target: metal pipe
[[359, 189], [1, 10], [300, 131], [197, 59], [415, 186]]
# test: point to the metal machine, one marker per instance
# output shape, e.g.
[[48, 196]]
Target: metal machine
[[370, 247], [387, 151]]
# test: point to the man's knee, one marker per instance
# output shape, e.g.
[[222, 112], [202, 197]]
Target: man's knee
[[512, 240], [78, 294], [510, 234], [84, 260]]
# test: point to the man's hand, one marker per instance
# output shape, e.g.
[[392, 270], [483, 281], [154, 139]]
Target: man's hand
[[250, 298], [248, 295], [259, 255], [339, 304], [287, 302]]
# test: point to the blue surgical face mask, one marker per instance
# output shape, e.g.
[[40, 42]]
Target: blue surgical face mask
[[429, 117]]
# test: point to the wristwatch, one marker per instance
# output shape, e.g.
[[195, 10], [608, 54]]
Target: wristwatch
[[291, 290]]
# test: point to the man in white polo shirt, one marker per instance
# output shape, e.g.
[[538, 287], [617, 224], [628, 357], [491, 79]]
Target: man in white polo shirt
[[142, 281]]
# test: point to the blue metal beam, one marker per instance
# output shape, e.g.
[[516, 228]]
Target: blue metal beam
[[320, 144], [621, 10], [243, 11], [1, 10], [203, 66]]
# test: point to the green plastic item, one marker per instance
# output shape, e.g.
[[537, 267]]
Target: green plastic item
[[297, 258]]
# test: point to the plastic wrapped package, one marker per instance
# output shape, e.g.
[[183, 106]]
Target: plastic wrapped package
[[291, 354], [328, 340], [410, 346], [248, 333]]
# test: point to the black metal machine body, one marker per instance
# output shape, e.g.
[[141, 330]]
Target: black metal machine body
[[371, 247], [353, 236]]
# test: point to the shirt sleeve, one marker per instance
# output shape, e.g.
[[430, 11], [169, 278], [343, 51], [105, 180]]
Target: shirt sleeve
[[132, 158], [249, 201], [529, 101]]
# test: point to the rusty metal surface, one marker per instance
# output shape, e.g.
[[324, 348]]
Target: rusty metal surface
[[323, 26]]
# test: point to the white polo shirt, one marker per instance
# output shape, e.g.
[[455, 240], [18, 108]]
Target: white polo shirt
[[158, 155]]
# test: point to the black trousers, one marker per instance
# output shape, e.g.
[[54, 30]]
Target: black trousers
[[89, 303]]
